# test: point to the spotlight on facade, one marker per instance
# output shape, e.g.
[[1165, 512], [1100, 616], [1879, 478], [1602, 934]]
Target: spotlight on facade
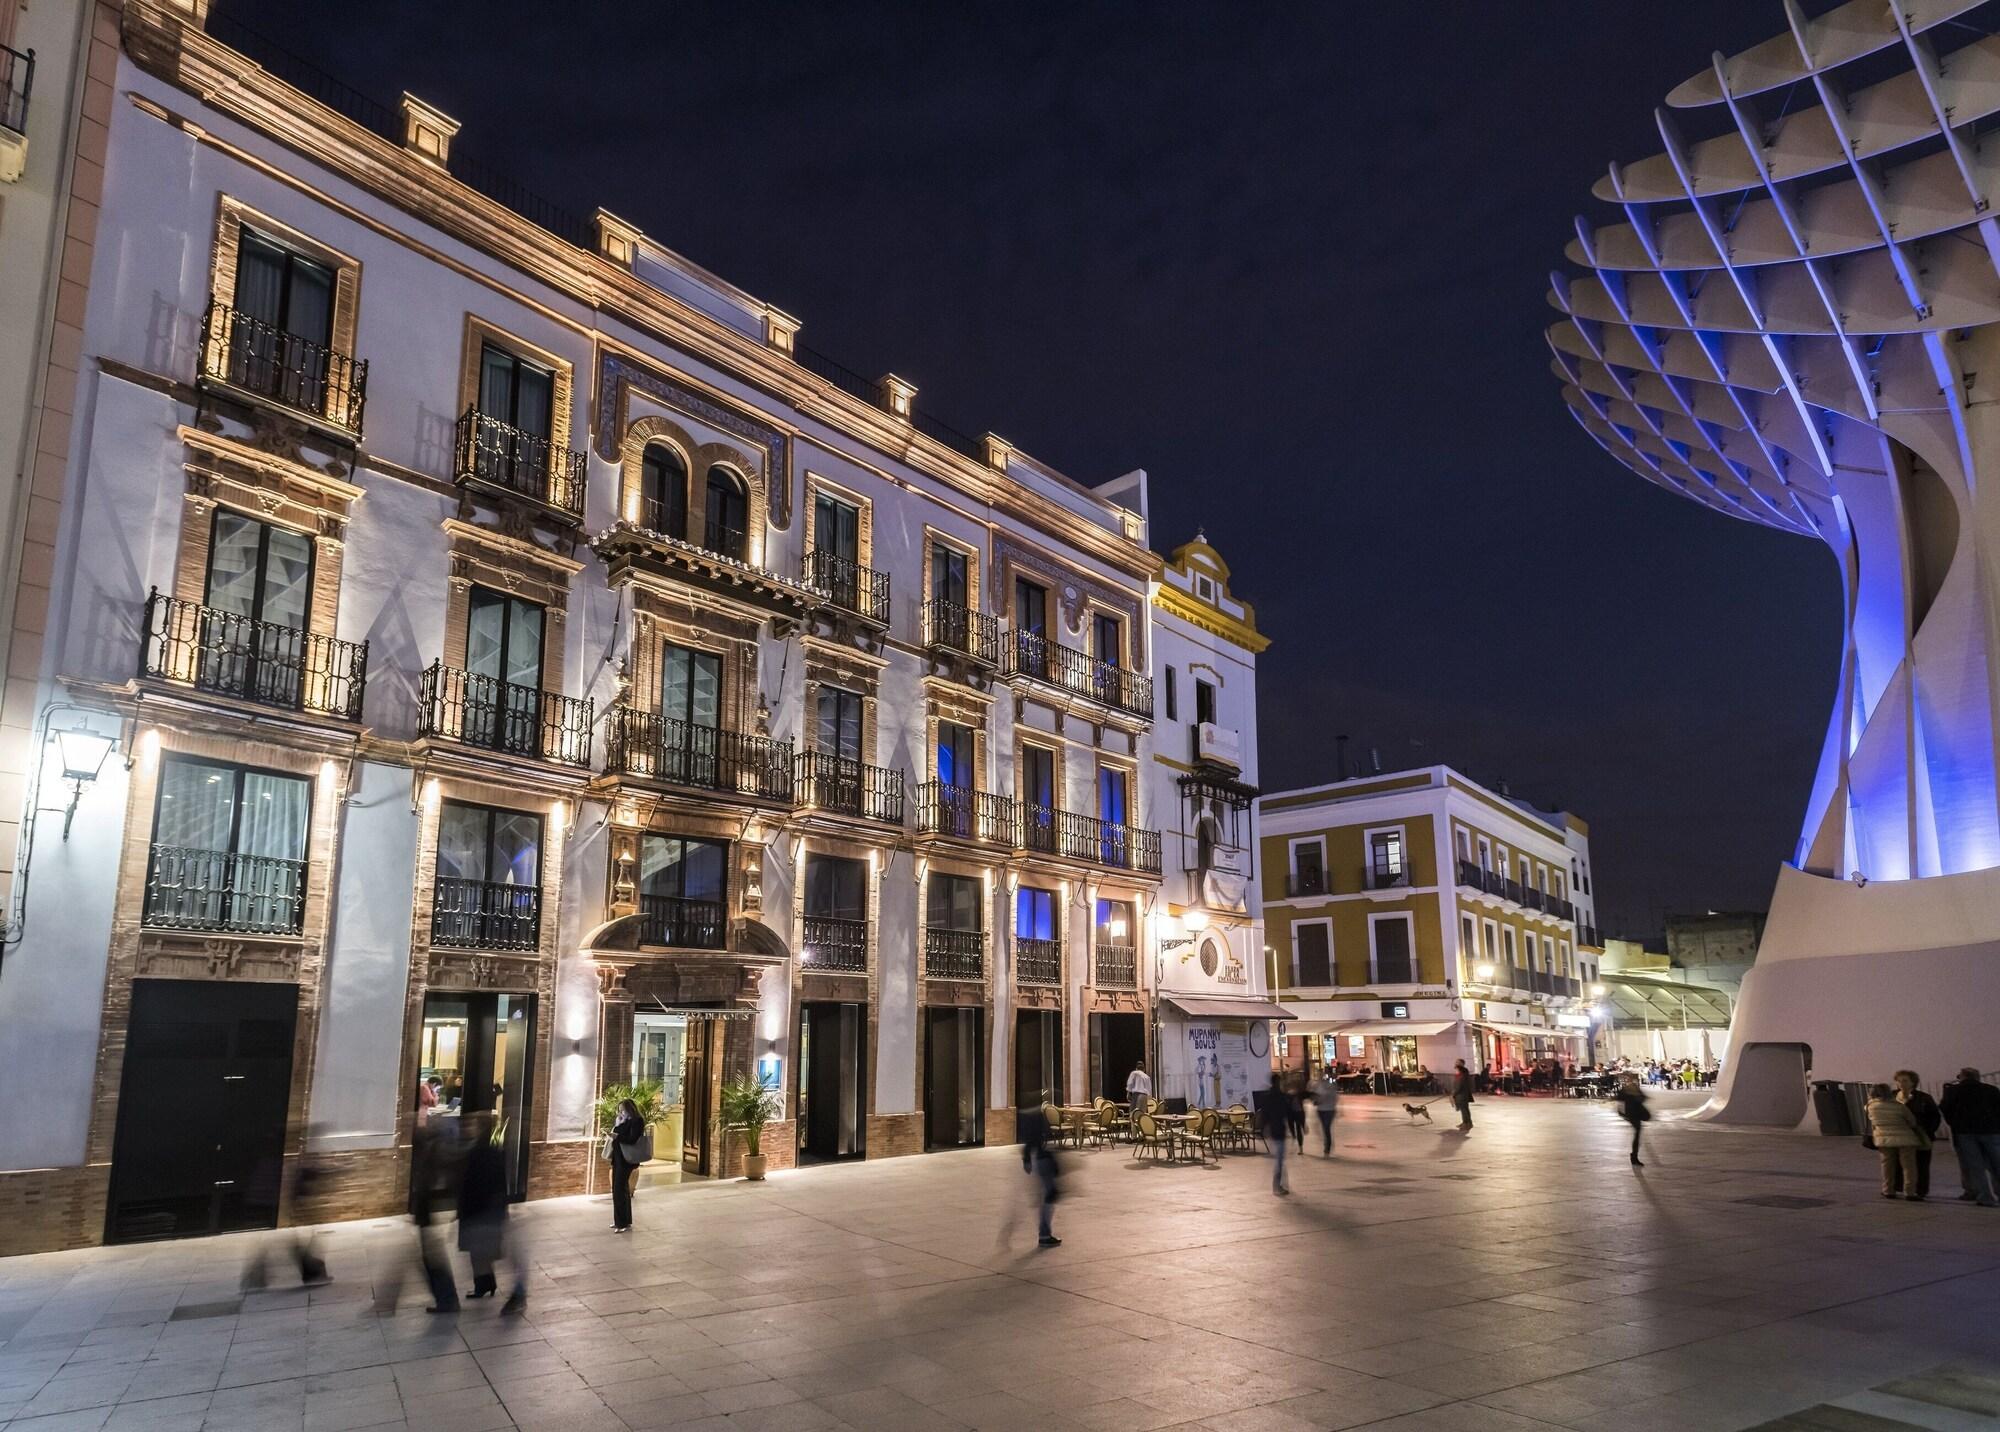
[[1194, 921], [1485, 972], [1597, 991], [83, 756]]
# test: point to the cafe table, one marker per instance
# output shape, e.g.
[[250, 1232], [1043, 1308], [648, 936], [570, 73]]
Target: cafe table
[[1177, 1124]]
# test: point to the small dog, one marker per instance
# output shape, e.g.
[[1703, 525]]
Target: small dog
[[1414, 1110]]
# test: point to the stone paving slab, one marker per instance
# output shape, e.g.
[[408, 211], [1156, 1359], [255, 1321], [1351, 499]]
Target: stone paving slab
[[1522, 1277]]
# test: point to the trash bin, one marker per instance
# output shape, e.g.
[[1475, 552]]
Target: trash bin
[[1829, 1099], [1857, 1106]]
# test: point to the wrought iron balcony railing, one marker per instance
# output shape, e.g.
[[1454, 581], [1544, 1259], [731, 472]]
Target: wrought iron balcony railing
[[1588, 937], [1047, 831], [952, 627], [685, 924], [1383, 876], [681, 753], [17, 82], [525, 464], [1053, 664], [1306, 882], [264, 361], [850, 787], [497, 715], [485, 915], [954, 954], [832, 943], [1117, 965], [190, 889], [849, 585], [265, 662], [1504, 976], [1037, 962], [962, 813]]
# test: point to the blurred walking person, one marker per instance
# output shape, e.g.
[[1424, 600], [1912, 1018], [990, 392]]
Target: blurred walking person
[[621, 1146], [1897, 1137], [1326, 1104], [303, 1244], [1632, 1109], [1295, 1106], [1924, 1109], [1038, 1158], [1461, 1096], [1275, 1115], [1972, 1107], [482, 1214]]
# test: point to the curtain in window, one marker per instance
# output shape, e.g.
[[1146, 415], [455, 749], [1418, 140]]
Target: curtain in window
[[1111, 796], [197, 805], [496, 383], [954, 755], [309, 302], [260, 280], [836, 527], [726, 517], [835, 888], [461, 850], [839, 728], [233, 564], [947, 575], [273, 822], [1034, 914], [691, 687], [516, 852], [953, 903], [534, 400]]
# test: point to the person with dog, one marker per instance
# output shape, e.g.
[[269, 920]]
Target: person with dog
[[1326, 1103], [1461, 1096], [1632, 1109]]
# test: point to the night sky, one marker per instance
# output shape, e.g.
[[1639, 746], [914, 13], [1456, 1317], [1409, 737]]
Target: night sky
[[1291, 261]]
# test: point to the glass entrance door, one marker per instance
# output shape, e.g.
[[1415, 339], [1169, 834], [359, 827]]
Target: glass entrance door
[[479, 1047], [659, 1056], [1038, 1061], [833, 1048], [954, 1078]]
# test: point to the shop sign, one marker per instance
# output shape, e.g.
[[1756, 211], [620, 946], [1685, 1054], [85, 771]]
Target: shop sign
[[1573, 1021], [1395, 1009]]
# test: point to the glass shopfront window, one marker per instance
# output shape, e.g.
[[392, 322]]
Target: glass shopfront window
[[1399, 1054]]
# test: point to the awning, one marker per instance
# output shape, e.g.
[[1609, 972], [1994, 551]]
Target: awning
[[1529, 1031], [1226, 1008], [1394, 1027]]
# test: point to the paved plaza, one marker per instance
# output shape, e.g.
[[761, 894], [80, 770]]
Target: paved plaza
[[1520, 1278]]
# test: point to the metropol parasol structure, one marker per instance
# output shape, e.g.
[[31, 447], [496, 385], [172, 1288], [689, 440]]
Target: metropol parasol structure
[[1791, 314]]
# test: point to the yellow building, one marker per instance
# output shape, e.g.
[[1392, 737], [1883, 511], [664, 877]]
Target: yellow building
[[1414, 918]]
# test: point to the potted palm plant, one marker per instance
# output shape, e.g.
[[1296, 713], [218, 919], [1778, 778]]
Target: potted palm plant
[[645, 1096], [749, 1104]]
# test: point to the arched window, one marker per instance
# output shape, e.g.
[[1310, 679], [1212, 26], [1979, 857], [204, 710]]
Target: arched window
[[728, 513], [663, 490]]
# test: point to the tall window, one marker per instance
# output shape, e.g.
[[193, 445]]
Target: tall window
[[503, 666], [1468, 937], [516, 392], [836, 913], [1507, 945], [1106, 639], [1035, 789], [1309, 868], [663, 481], [949, 578], [1385, 858], [1312, 955], [1034, 914], [488, 887], [727, 518], [259, 596], [1391, 940], [1173, 697], [837, 730], [683, 885], [955, 746], [836, 527], [1204, 700], [1533, 949], [1114, 838], [229, 849], [691, 686], [1031, 627], [1204, 847], [1116, 922], [953, 902], [283, 324]]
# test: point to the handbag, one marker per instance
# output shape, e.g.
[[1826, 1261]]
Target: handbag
[[604, 1150], [642, 1148]]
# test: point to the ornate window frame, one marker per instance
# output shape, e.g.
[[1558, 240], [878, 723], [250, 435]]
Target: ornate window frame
[[231, 215], [478, 333]]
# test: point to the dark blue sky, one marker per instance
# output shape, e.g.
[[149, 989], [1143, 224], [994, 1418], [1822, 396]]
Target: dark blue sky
[[1291, 261]]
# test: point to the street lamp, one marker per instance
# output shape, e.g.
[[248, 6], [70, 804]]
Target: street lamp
[[83, 754], [1485, 973]]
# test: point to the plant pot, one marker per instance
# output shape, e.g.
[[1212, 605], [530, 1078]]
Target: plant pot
[[753, 1166]]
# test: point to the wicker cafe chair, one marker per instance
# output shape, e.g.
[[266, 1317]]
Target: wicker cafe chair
[[1058, 1127], [1243, 1129], [1207, 1130], [1147, 1134]]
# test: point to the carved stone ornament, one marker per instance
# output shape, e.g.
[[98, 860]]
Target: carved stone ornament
[[165, 956], [506, 972], [617, 373]]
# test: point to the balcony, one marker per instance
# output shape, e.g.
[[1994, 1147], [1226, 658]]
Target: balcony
[[263, 361], [849, 585], [485, 915], [954, 628], [849, 787], [674, 752], [835, 944], [1117, 965], [1306, 882], [961, 813], [273, 665], [682, 924], [1505, 976], [1385, 877], [1588, 937], [1037, 962], [1043, 830], [496, 715], [954, 954], [490, 454], [1077, 674], [1220, 746], [188, 889]]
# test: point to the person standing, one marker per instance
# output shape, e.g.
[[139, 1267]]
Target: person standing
[[482, 1214], [1924, 1109], [621, 1147], [1461, 1096], [1972, 1108], [1898, 1138], [1038, 1157], [1326, 1103], [1632, 1109], [1276, 1118], [1139, 1088]]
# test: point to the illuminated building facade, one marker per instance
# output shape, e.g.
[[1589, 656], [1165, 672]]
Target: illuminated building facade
[[1785, 315]]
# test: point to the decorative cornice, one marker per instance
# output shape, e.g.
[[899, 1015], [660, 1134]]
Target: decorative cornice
[[618, 374], [1216, 623]]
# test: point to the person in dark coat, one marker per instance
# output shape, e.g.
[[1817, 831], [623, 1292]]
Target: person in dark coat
[[1295, 1106], [1275, 1114], [624, 1163], [1038, 1157], [482, 1214], [1972, 1107], [1461, 1096], [1632, 1109], [431, 1159], [1924, 1109]]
